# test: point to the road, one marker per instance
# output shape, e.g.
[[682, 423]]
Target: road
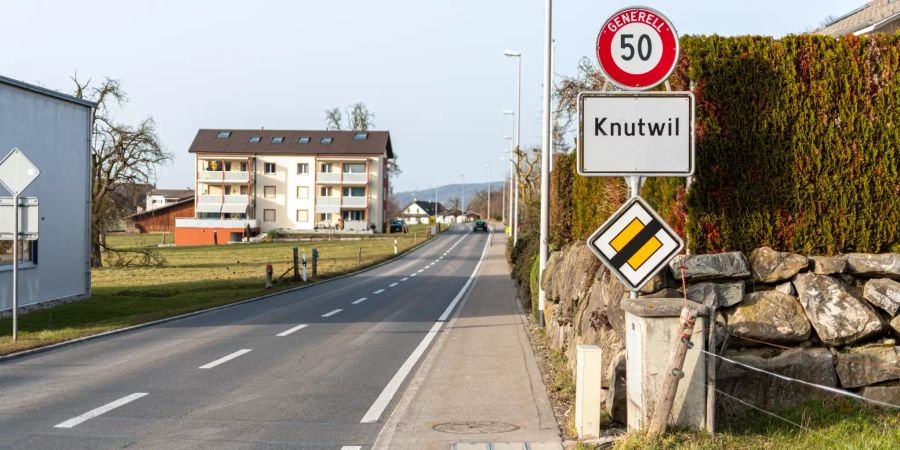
[[320, 367]]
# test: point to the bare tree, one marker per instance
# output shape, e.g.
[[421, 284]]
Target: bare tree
[[360, 118], [528, 177], [121, 155], [333, 118], [454, 204]]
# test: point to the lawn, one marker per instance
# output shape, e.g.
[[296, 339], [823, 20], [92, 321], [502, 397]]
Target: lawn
[[191, 279], [833, 424]]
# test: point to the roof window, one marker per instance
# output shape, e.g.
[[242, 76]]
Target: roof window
[[278, 139], [326, 140], [255, 139], [303, 140], [361, 136], [223, 135]]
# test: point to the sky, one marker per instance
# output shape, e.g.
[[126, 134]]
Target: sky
[[432, 71]]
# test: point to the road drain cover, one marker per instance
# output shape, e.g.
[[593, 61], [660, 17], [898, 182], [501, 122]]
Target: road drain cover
[[475, 427]]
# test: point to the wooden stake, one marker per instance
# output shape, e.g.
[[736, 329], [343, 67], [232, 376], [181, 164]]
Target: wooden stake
[[711, 373], [674, 372]]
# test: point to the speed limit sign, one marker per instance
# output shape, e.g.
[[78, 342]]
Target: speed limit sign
[[637, 48]]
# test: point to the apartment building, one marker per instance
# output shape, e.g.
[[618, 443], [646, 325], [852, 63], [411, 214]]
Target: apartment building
[[287, 180]]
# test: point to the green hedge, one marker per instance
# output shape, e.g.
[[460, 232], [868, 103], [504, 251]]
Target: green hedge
[[798, 147]]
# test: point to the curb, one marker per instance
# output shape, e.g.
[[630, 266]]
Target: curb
[[47, 348]]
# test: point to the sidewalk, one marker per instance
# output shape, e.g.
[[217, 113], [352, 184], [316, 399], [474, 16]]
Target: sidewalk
[[479, 380]]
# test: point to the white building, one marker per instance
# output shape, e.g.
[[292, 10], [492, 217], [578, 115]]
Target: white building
[[157, 198], [53, 130], [421, 211], [287, 180]]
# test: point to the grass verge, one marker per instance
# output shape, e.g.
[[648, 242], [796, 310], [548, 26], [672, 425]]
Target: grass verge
[[192, 279]]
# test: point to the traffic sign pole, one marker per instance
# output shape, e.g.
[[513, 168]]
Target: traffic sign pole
[[15, 269]]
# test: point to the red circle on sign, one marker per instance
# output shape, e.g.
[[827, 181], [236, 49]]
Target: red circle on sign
[[643, 19]]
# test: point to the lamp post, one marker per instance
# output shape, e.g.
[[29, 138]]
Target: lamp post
[[545, 157], [518, 56]]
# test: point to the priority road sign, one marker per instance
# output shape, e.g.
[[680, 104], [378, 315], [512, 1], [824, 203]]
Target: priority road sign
[[637, 48], [635, 243], [17, 172]]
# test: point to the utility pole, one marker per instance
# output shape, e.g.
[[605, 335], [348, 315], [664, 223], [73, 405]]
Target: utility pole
[[545, 158]]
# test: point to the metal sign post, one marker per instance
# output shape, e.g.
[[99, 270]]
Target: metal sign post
[[16, 173]]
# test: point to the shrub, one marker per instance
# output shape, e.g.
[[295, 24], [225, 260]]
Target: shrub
[[522, 257]]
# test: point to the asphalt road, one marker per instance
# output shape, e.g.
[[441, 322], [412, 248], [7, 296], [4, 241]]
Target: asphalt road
[[315, 368]]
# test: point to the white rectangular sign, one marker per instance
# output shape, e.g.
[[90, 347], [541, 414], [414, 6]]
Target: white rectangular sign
[[636, 133], [28, 218]]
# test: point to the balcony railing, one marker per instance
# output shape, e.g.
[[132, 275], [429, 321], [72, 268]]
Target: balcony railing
[[328, 177], [354, 202], [187, 222], [355, 178], [211, 176], [219, 199], [335, 201]]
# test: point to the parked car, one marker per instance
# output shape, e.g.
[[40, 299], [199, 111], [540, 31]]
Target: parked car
[[480, 225], [398, 226]]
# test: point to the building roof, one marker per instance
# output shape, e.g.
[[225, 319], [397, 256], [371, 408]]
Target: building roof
[[47, 92], [342, 142], [428, 207], [162, 209], [865, 19], [173, 193]]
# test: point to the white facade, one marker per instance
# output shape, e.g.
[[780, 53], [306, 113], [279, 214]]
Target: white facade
[[53, 131]]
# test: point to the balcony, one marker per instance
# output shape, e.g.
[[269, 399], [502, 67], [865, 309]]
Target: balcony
[[187, 222], [210, 176], [328, 204], [328, 178], [354, 202], [219, 199]]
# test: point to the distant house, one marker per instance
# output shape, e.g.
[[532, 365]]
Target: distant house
[[161, 219], [421, 211], [157, 198], [456, 216], [877, 16]]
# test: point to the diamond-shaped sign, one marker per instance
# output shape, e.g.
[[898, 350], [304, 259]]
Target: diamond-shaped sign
[[635, 243], [17, 172]]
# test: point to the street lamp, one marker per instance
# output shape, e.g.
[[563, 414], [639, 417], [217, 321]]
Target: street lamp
[[545, 157], [518, 55]]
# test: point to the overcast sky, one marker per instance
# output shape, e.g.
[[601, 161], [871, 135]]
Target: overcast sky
[[432, 71]]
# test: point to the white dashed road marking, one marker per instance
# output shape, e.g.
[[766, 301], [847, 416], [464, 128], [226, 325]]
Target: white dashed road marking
[[404, 279], [392, 284], [225, 359], [297, 328], [331, 313], [103, 409], [378, 291], [360, 300]]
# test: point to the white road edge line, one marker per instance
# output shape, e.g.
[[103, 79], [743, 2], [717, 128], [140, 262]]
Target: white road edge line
[[297, 328], [331, 313], [381, 403], [226, 358], [103, 409], [359, 300], [378, 291]]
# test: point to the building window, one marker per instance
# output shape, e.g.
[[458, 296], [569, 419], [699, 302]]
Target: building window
[[213, 166], [245, 190], [355, 168], [243, 166], [269, 168], [354, 192], [255, 139], [302, 192], [361, 136], [326, 140], [303, 140], [227, 190], [302, 168], [223, 135], [302, 215], [354, 215], [278, 139], [325, 191], [268, 215], [269, 191], [228, 166], [27, 252], [326, 168]]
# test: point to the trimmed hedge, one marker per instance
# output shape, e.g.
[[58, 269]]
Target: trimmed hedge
[[561, 179], [522, 257], [798, 147]]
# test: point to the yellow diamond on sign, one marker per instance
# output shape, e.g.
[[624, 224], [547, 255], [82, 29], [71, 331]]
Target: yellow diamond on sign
[[635, 243]]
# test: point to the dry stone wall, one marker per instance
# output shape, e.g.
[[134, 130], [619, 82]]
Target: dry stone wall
[[830, 320]]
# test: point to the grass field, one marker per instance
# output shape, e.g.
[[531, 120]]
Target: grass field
[[834, 424], [191, 279]]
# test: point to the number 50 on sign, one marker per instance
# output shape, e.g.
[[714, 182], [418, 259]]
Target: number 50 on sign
[[637, 48]]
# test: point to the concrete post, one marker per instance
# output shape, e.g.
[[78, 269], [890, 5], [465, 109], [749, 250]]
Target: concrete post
[[268, 276], [395, 247], [651, 327], [296, 269], [588, 393]]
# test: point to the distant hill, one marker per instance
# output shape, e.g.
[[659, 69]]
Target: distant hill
[[446, 192]]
